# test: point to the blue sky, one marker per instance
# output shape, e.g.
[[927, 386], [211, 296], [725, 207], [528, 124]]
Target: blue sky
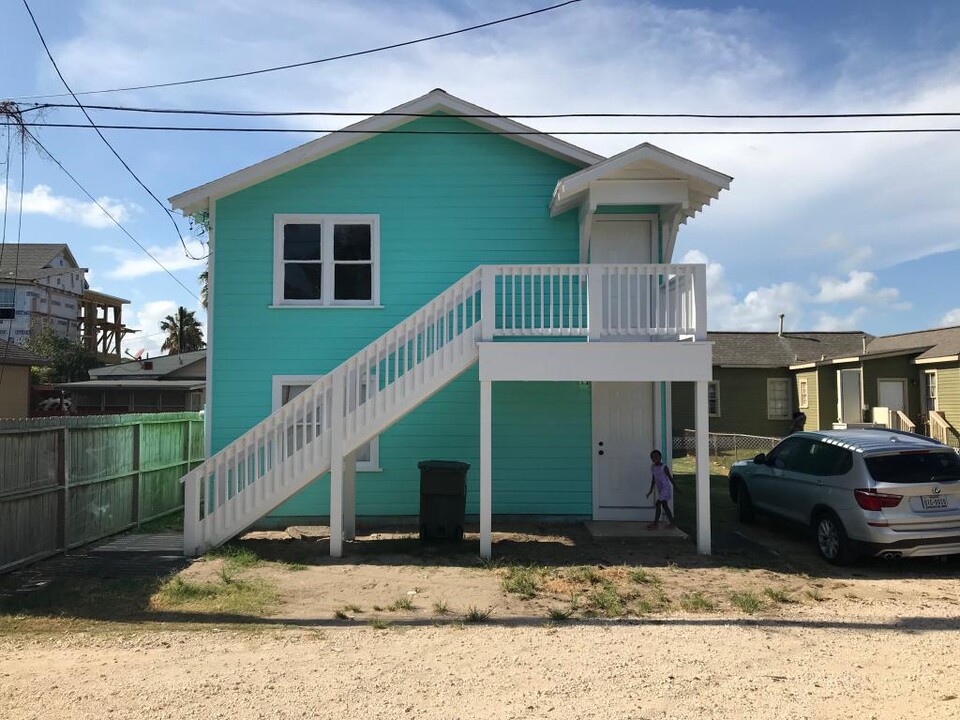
[[838, 232]]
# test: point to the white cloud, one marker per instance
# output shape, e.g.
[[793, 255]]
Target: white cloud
[[135, 264], [147, 320], [759, 308], [42, 201], [951, 318], [859, 286]]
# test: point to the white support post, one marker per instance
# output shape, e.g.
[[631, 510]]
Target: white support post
[[337, 422], [191, 515], [350, 496], [702, 428], [594, 302], [488, 303], [700, 300], [486, 469]]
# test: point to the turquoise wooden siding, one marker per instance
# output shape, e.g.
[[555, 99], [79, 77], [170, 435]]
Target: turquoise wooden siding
[[447, 203]]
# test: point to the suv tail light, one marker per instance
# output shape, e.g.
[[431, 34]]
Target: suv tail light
[[873, 500]]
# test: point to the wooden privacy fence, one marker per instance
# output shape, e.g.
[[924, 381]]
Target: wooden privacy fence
[[67, 481]]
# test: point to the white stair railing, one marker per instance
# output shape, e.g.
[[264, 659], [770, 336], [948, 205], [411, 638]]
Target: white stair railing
[[398, 371]]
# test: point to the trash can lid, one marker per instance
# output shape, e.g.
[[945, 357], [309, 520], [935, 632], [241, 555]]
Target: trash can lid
[[443, 465]]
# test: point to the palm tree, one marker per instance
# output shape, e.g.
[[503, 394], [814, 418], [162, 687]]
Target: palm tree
[[204, 279], [183, 332]]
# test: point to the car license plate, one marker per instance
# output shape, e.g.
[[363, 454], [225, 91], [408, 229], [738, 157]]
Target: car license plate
[[933, 502]]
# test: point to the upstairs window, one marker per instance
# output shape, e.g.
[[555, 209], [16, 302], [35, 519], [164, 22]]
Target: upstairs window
[[326, 260], [7, 303]]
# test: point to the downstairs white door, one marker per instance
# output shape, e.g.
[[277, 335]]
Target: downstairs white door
[[622, 441]]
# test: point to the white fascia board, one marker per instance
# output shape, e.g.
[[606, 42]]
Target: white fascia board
[[928, 361], [197, 199], [707, 181], [596, 361], [639, 192], [843, 361], [802, 366]]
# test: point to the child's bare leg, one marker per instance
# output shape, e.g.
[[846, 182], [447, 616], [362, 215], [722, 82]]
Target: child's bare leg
[[670, 521], [656, 518]]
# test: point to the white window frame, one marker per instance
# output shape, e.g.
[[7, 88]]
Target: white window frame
[[803, 393], [13, 302], [788, 394], [931, 402], [327, 223], [715, 386], [280, 381]]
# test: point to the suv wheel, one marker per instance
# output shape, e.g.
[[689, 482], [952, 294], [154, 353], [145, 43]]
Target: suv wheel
[[745, 511], [832, 540]]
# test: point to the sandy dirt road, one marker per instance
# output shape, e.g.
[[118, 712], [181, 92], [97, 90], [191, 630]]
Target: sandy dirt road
[[816, 664]]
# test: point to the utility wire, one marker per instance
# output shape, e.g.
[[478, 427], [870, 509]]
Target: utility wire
[[351, 131], [323, 113], [16, 261], [291, 66], [112, 218], [103, 137]]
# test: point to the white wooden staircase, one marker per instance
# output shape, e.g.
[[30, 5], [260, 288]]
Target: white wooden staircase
[[398, 371]]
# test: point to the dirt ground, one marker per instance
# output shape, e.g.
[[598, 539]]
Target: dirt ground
[[876, 641], [562, 625]]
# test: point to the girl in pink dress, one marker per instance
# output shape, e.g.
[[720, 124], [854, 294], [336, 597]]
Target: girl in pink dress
[[662, 482]]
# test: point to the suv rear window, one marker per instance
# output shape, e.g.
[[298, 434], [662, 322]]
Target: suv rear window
[[914, 467]]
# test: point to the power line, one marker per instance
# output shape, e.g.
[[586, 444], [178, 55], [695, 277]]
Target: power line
[[16, 261], [327, 113], [291, 66], [351, 131], [103, 137], [109, 215]]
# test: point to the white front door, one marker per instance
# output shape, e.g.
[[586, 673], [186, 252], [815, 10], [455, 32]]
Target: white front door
[[621, 241], [850, 405], [893, 394], [622, 441]]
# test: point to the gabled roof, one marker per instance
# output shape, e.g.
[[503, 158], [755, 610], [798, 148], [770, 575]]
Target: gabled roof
[[770, 349], [435, 101], [155, 368], [704, 184], [28, 261], [937, 343], [13, 354]]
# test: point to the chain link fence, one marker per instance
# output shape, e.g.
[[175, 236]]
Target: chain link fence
[[725, 448]]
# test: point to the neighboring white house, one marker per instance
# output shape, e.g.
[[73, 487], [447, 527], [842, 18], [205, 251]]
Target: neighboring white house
[[44, 282]]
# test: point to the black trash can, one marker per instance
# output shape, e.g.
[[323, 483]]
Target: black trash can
[[443, 499]]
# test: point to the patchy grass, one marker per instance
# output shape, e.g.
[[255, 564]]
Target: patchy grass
[[815, 594], [522, 581], [697, 602], [354, 608], [780, 597], [239, 597], [559, 614], [404, 602], [607, 600], [379, 623], [114, 600], [746, 601], [236, 557], [644, 577], [476, 615], [585, 575], [341, 614], [168, 523], [294, 566], [440, 607]]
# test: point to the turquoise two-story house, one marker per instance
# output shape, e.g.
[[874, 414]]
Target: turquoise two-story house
[[439, 281]]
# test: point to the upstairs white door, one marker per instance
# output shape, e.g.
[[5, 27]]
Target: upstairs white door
[[893, 395], [626, 298], [622, 441]]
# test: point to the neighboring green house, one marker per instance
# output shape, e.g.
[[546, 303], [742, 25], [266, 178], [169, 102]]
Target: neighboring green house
[[907, 381], [424, 285], [753, 389]]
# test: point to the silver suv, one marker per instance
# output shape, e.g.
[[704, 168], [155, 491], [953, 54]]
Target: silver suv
[[862, 492]]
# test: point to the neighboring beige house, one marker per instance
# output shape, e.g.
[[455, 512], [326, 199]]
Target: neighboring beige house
[[167, 383], [15, 364], [42, 282]]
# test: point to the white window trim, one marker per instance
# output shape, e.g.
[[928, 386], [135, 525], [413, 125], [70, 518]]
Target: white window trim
[[716, 385], [803, 393], [926, 389], [787, 383], [326, 281], [371, 465]]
